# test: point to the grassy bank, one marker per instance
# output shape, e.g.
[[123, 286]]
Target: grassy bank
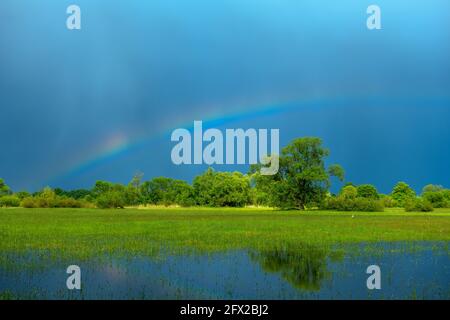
[[87, 232]]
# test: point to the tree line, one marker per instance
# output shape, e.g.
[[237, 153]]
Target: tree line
[[302, 182]]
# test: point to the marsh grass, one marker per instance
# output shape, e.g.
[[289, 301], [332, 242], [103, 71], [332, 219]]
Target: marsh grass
[[156, 232]]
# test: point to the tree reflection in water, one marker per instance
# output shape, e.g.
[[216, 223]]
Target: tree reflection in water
[[304, 266]]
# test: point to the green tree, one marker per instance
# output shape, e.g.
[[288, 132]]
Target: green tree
[[436, 198], [167, 191], [302, 179], [101, 187], [446, 193], [136, 180], [432, 188], [46, 198], [22, 194], [387, 201], [79, 194], [222, 189], [59, 192], [203, 187], [155, 191], [337, 171], [437, 195], [349, 192], [4, 189], [418, 205], [112, 199], [402, 193], [183, 193], [368, 191], [349, 184], [133, 190]]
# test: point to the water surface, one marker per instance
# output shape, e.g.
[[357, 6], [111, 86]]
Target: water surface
[[419, 271]]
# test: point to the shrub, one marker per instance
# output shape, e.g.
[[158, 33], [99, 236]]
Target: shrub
[[446, 193], [111, 199], [358, 204], [46, 198], [9, 201], [260, 198], [418, 205], [43, 202], [387, 201], [436, 198], [64, 202], [49, 200], [369, 205], [29, 202]]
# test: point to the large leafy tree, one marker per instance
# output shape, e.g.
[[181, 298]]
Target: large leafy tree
[[368, 191], [302, 179], [109, 195], [155, 191], [437, 195], [402, 193], [101, 187], [222, 189]]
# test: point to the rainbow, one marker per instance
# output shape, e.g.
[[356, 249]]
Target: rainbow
[[120, 145]]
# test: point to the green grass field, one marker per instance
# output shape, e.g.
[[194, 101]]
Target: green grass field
[[92, 232]]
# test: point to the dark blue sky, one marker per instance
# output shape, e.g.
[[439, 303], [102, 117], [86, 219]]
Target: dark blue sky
[[100, 103]]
